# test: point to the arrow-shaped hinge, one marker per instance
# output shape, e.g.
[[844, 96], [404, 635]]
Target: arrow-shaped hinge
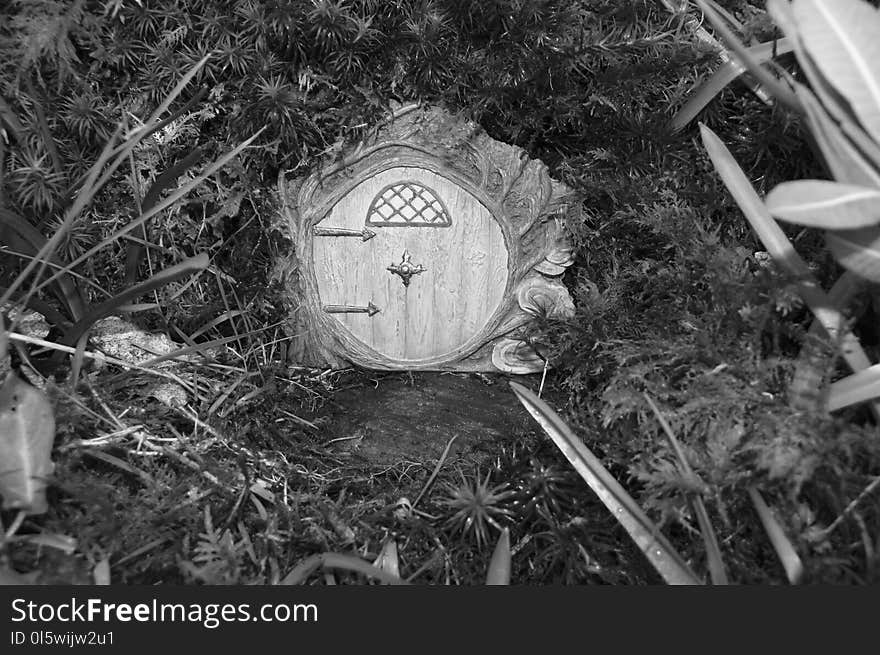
[[364, 235], [370, 309]]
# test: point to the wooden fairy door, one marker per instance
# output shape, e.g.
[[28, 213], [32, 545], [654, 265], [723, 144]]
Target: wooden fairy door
[[428, 245], [426, 274]]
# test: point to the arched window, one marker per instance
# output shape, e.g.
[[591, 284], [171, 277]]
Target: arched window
[[408, 204]]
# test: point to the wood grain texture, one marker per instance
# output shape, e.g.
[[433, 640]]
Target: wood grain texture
[[443, 307], [487, 274]]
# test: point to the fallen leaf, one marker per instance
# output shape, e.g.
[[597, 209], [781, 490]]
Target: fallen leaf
[[27, 431]]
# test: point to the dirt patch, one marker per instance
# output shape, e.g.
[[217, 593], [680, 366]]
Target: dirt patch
[[413, 417]]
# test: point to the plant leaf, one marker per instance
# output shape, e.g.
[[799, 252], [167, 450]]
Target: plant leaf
[[821, 203], [771, 235], [720, 79], [62, 542], [176, 195], [52, 315], [4, 339], [794, 569], [668, 562], [134, 251], [844, 161], [742, 54], [856, 388], [9, 121], [27, 430], [499, 566], [20, 235], [388, 560], [101, 572], [805, 392], [332, 561], [827, 313], [857, 250], [717, 570], [95, 179], [48, 248], [842, 40], [160, 279]]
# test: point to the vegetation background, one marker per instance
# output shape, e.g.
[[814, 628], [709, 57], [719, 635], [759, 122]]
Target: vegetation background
[[675, 298]]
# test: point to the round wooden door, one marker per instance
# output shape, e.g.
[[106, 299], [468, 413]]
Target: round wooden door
[[411, 264]]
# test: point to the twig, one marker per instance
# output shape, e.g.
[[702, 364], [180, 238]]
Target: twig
[[436, 471], [14, 336], [125, 466], [852, 506], [16, 524], [143, 549]]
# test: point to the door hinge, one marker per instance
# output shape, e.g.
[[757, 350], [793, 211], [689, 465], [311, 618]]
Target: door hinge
[[370, 309], [364, 234]]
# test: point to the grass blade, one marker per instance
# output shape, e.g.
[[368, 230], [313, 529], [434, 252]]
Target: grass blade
[[665, 559], [794, 568], [52, 315], [177, 90], [9, 121], [331, 561], [779, 90], [83, 198], [134, 251], [162, 206], [720, 79], [717, 570], [20, 235], [160, 279], [499, 565], [856, 388]]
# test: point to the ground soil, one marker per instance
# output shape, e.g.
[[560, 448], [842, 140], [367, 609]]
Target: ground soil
[[413, 416]]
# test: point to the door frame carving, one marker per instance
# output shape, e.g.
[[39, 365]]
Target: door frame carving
[[528, 206]]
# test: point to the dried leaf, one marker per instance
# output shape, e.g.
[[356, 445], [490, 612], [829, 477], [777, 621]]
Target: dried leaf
[[27, 430]]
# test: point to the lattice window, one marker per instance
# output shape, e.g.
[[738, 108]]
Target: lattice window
[[408, 204]]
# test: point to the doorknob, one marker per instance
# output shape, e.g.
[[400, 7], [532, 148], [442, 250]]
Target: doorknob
[[406, 269]]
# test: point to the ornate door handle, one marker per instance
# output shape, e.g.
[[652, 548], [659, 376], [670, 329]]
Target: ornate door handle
[[406, 269]]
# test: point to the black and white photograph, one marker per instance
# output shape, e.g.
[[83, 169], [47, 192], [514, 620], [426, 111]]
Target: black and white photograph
[[300, 294]]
